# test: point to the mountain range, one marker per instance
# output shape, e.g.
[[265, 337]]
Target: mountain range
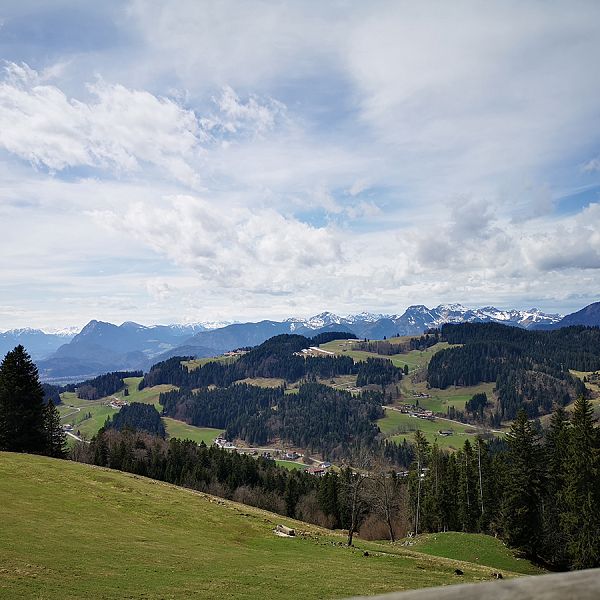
[[100, 347]]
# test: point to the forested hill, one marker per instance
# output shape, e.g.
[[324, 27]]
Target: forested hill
[[322, 419], [318, 417], [280, 357], [530, 368], [101, 386]]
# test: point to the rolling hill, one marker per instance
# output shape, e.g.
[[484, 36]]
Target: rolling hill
[[70, 531]]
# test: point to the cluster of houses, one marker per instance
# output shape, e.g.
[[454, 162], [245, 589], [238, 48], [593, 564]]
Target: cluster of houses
[[320, 470], [416, 411]]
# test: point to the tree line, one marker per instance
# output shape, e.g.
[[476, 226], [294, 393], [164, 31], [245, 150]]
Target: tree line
[[537, 490], [388, 348]]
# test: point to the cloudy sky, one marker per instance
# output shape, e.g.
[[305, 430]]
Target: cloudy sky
[[197, 160]]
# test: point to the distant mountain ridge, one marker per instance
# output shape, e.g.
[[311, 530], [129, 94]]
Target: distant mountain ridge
[[39, 344], [414, 321], [101, 346], [588, 316]]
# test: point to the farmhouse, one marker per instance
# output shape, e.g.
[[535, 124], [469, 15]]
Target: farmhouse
[[117, 404], [221, 442], [316, 471]]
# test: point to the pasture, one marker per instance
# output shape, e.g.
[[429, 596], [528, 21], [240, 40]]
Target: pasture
[[73, 531], [398, 426]]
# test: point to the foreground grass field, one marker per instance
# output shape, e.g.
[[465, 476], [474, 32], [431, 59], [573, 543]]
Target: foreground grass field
[[73, 531], [474, 548]]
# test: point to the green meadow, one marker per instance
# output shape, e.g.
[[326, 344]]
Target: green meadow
[[415, 359], [398, 426], [439, 400], [72, 531], [474, 548], [183, 431]]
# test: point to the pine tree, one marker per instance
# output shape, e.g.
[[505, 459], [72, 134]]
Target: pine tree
[[556, 450], [21, 404], [431, 518], [581, 519], [56, 440], [468, 501], [521, 511]]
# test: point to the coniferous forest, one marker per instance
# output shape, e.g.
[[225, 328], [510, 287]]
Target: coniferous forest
[[531, 369], [101, 386]]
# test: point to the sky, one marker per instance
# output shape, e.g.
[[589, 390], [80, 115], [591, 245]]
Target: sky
[[223, 160]]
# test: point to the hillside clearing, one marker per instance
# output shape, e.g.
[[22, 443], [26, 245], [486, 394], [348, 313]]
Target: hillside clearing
[[398, 426], [415, 359], [474, 547], [438, 400], [183, 431], [72, 531]]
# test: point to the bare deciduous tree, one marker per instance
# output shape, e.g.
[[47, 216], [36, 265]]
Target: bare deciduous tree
[[384, 492]]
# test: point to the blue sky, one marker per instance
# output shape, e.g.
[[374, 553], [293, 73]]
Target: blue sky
[[195, 160]]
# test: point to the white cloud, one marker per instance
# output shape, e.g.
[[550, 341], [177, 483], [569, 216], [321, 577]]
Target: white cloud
[[236, 116], [119, 129], [592, 165], [232, 247]]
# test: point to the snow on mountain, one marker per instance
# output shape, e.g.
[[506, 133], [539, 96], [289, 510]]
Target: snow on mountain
[[326, 319], [63, 332]]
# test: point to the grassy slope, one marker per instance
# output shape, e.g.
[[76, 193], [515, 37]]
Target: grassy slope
[[474, 548], [183, 431], [398, 426], [73, 531], [439, 400], [414, 359], [198, 362]]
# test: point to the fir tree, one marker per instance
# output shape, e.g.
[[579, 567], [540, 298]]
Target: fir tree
[[56, 440], [556, 450], [21, 404], [468, 500], [521, 509], [581, 519]]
